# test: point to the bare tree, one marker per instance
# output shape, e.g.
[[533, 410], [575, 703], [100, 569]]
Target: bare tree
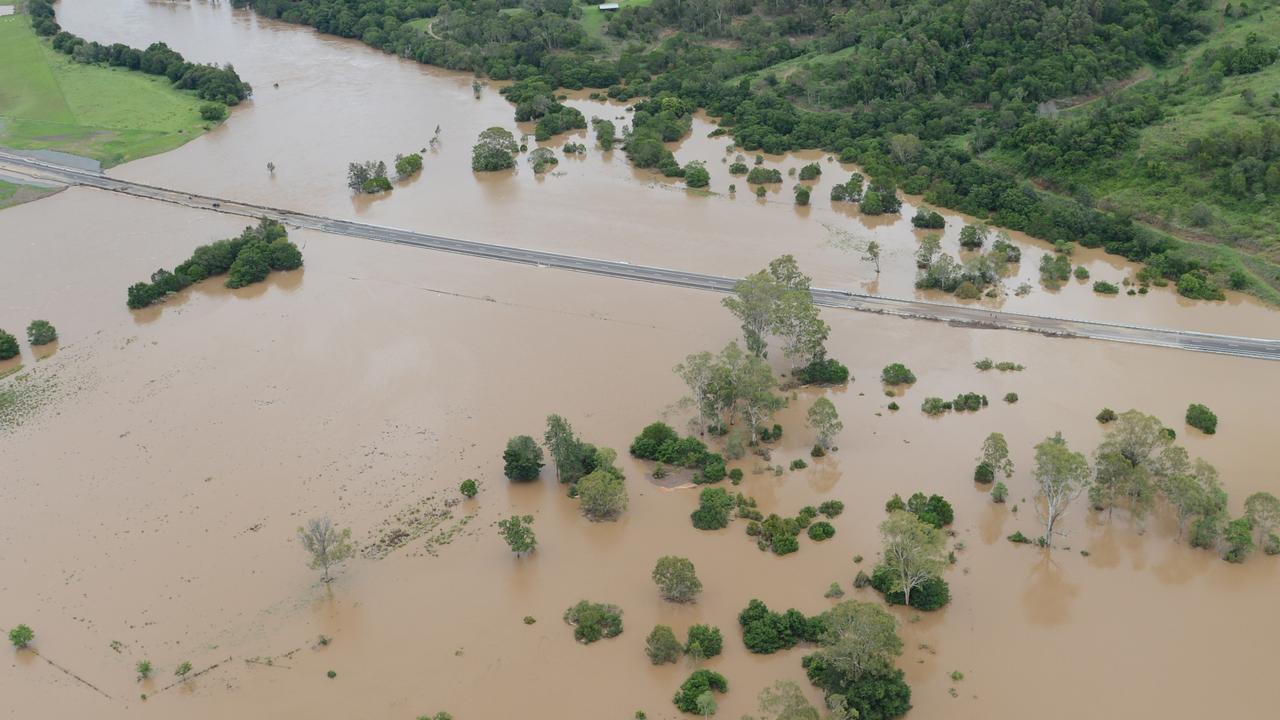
[[327, 544], [1061, 475]]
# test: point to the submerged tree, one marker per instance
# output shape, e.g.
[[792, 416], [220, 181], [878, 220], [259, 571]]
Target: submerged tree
[[825, 421], [676, 579], [994, 459], [602, 494], [519, 536], [1263, 512], [914, 551], [494, 150], [326, 543], [777, 301], [522, 459], [871, 254], [1061, 475], [1134, 456]]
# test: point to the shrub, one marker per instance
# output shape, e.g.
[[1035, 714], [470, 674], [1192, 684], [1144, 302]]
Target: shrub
[[650, 440], [8, 346], [897, 374], [1011, 398], [928, 219], [831, 508], [802, 195], [984, 473], [1103, 287], [821, 530], [934, 510], [143, 668], [822, 372], [21, 636], [1107, 415], [759, 175], [707, 638], [1202, 418], [407, 165], [810, 171], [714, 505], [696, 175], [662, 646], [784, 544], [468, 488], [1239, 539], [894, 504], [894, 406], [765, 631], [40, 332], [817, 452], [676, 579], [834, 592], [738, 169], [1082, 273], [934, 406], [593, 621], [542, 159], [735, 475], [701, 681], [999, 493], [213, 112], [799, 464], [522, 458], [603, 493], [861, 580], [712, 470], [930, 595], [1018, 537]]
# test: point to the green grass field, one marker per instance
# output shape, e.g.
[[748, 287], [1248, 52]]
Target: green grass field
[[48, 102]]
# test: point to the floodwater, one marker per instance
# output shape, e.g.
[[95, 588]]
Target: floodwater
[[152, 501]]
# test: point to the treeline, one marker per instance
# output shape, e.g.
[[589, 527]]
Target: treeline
[[245, 259], [209, 82], [888, 87]]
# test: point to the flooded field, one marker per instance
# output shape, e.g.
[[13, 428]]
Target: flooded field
[[151, 500]]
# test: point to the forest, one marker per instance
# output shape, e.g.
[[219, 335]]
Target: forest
[[1022, 114]]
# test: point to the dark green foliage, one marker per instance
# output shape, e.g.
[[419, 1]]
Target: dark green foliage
[[650, 440], [799, 464], [707, 638], [876, 694], [696, 175], [984, 473], [765, 631], [897, 374], [1202, 418], [1239, 539], [21, 636], [849, 191], [893, 406], [822, 372], [714, 506], [712, 470], [735, 475], [930, 595], [760, 175], [821, 530], [522, 459], [468, 488], [802, 195], [1011, 398], [895, 503], [810, 171], [928, 219], [593, 621], [264, 248], [701, 681], [662, 646], [831, 508], [1103, 287], [1018, 537], [971, 402], [1054, 270], [934, 510], [934, 406], [1106, 415], [999, 493], [817, 452], [8, 346], [213, 112], [738, 169], [861, 580], [407, 165], [1205, 531], [606, 133], [368, 177], [494, 150]]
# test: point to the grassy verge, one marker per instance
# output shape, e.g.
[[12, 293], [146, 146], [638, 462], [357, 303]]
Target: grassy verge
[[113, 115], [13, 194]]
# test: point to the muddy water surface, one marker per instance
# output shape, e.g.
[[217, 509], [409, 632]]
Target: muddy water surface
[[153, 500], [321, 102]]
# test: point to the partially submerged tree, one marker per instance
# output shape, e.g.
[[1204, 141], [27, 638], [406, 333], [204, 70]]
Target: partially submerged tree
[[519, 536], [777, 301], [825, 421], [698, 372], [1060, 475], [326, 543], [494, 150], [1263, 512], [662, 646], [602, 494], [573, 458], [1193, 491], [785, 701], [676, 579], [995, 455], [522, 458], [1134, 456], [914, 551]]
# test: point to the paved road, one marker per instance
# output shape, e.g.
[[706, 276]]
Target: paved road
[[1263, 348]]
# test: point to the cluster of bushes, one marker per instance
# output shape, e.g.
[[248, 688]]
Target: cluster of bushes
[[897, 374], [661, 443], [699, 684], [779, 534], [762, 175], [593, 621], [39, 332], [971, 402], [928, 219], [714, 507], [535, 100], [765, 631], [930, 595], [827, 371], [848, 191], [1102, 287], [1003, 366], [542, 159], [495, 149], [245, 259], [696, 175], [209, 82], [1202, 419], [881, 198], [407, 165], [370, 176], [933, 510], [662, 646], [1055, 269], [811, 171]]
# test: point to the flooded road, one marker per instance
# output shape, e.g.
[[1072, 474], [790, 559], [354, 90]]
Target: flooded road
[[152, 500]]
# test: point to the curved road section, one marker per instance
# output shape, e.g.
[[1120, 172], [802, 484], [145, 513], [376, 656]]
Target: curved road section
[[975, 317]]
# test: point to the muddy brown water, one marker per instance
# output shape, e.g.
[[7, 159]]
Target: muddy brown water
[[153, 501]]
